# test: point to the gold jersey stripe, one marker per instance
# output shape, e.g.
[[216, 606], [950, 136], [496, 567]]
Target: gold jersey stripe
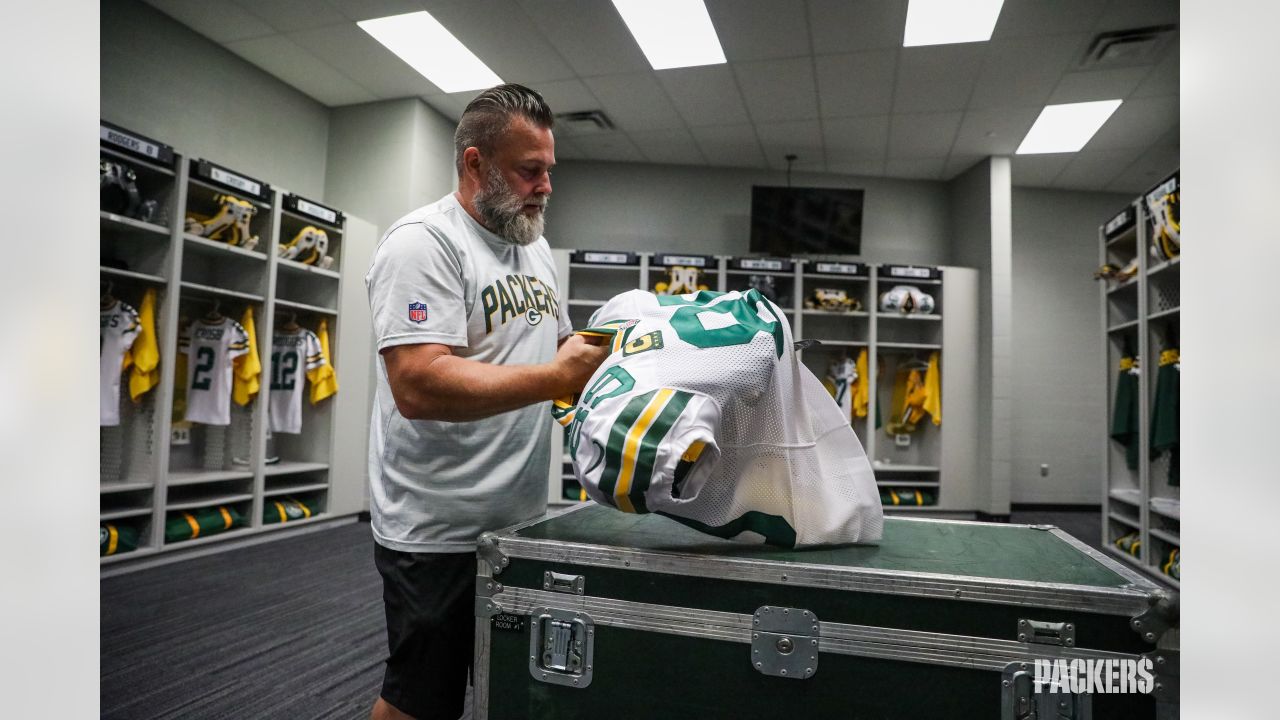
[[631, 447]]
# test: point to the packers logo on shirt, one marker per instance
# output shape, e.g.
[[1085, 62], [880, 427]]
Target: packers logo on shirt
[[517, 296], [646, 342]]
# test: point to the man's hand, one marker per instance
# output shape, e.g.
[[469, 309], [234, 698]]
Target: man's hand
[[576, 360]]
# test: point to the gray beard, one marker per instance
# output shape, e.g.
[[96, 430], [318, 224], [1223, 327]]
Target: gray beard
[[503, 211]]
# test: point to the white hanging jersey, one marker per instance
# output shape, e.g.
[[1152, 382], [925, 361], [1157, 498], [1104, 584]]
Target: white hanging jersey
[[841, 375], [118, 329], [293, 355], [210, 350], [704, 414]]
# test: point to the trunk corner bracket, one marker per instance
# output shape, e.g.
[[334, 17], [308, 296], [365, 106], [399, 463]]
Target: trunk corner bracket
[[487, 549], [784, 642]]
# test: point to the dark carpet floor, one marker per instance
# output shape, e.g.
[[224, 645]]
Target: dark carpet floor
[[286, 629]]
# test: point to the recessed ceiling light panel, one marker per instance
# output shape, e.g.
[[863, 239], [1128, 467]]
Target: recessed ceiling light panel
[[672, 33], [422, 42], [1066, 128], [943, 22]]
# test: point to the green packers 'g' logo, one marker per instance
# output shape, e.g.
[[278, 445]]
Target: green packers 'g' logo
[[648, 341], [533, 316]]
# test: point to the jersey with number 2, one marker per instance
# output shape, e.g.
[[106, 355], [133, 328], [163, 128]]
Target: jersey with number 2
[[293, 355], [210, 349], [704, 413]]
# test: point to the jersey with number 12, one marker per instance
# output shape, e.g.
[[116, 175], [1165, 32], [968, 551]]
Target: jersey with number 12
[[210, 349], [293, 354]]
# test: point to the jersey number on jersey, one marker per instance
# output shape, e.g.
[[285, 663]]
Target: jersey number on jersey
[[284, 370], [202, 379], [739, 328]]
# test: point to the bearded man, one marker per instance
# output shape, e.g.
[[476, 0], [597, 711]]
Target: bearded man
[[473, 343]]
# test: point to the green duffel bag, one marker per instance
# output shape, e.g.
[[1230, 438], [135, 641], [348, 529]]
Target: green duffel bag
[[283, 510], [192, 524], [114, 539]]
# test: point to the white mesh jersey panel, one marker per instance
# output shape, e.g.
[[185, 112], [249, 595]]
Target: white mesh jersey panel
[[780, 462]]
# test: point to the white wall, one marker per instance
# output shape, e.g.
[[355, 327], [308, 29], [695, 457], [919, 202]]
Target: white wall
[[161, 79], [1057, 394], [981, 237], [387, 158], [606, 206]]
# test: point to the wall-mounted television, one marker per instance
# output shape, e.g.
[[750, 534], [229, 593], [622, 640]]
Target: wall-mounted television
[[806, 221]]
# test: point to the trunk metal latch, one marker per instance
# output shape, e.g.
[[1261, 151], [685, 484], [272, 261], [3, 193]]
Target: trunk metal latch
[[1022, 699], [784, 642], [561, 647], [1047, 633]]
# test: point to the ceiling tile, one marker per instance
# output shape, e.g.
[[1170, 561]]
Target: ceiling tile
[[1097, 85], [367, 9], [566, 95], [1095, 170], [802, 138], [928, 135], [296, 66], [705, 95], [635, 101], [863, 138], [958, 163], [1163, 79], [1126, 14], [566, 149], [1024, 71], [292, 15], [856, 83], [500, 33], [840, 26], [614, 146], [589, 34], [220, 22], [1019, 18], [1136, 123], [1151, 167], [915, 168], [869, 168], [729, 145], [994, 132], [937, 77], [760, 29], [365, 61], [675, 146], [1038, 170], [778, 90]]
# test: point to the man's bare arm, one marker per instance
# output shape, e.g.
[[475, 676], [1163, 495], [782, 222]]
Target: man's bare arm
[[429, 382]]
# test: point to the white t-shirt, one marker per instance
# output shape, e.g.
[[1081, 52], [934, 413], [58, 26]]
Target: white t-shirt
[[438, 276], [293, 356], [210, 350], [703, 413], [118, 329]]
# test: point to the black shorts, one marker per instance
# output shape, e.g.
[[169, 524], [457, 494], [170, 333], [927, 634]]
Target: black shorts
[[430, 604]]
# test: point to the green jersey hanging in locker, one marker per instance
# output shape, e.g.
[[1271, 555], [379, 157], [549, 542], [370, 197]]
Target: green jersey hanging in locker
[[1124, 425], [1164, 412]]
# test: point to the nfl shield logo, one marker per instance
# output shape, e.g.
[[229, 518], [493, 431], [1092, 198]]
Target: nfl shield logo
[[417, 312]]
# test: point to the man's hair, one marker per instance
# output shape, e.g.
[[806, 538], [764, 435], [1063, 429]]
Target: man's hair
[[489, 114]]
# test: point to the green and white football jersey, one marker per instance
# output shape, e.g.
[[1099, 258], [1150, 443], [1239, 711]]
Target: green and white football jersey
[[117, 330], [294, 356], [704, 414], [211, 349]]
